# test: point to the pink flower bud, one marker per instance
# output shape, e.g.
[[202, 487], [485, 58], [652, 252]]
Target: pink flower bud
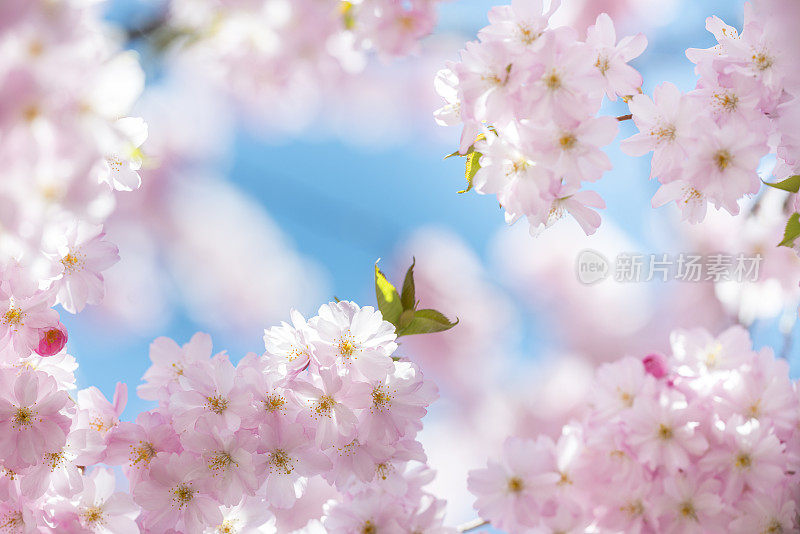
[[656, 365], [51, 340]]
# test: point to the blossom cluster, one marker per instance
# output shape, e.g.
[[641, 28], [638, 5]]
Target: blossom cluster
[[229, 444], [47, 438], [263, 50], [67, 145], [530, 94], [707, 144], [703, 440], [325, 415]]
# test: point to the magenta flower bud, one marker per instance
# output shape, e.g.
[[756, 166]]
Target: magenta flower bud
[[656, 365], [52, 340]]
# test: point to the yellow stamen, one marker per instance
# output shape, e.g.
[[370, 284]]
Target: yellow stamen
[[515, 485], [280, 460]]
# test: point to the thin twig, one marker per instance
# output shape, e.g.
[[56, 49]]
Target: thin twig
[[472, 525], [627, 117]]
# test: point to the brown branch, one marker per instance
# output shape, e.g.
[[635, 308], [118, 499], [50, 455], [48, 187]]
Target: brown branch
[[627, 117]]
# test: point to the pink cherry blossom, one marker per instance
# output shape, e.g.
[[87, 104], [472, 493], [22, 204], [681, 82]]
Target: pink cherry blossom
[[288, 455], [354, 337], [508, 489], [175, 495], [169, 362], [33, 418], [81, 256]]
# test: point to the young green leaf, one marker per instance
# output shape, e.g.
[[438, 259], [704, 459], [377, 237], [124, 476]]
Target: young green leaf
[[405, 319], [426, 322], [388, 299], [792, 231], [791, 184], [473, 166], [407, 297]]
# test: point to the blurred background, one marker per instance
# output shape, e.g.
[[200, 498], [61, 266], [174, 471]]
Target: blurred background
[[252, 206]]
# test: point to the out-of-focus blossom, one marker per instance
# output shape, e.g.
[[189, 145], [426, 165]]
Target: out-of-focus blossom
[[669, 457]]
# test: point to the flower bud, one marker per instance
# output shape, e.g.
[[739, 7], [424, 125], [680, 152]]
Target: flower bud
[[51, 340], [656, 365]]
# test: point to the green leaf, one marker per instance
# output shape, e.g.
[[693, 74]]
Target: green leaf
[[791, 184], [407, 297], [406, 318], [388, 299], [473, 166], [792, 231], [426, 322], [473, 160], [469, 151], [348, 18]]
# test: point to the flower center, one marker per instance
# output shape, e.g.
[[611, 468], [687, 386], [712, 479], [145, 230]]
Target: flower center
[[115, 163], [22, 417], [664, 432], [183, 494], [93, 515], [73, 262], [515, 485], [52, 336], [31, 112], [728, 101], [690, 194], [762, 61], [633, 508], [297, 352], [527, 35], [722, 159], [557, 211], [99, 424], [177, 368], [665, 133], [381, 397], [143, 453], [217, 404], [369, 527], [743, 460], [227, 527], [12, 521], [625, 397], [602, 64], [347, 345], [273, 403], [552, 81], [383, 469], [774, 527], [14, 316], [281, 461], [686, 509], [567, 141], [325, 405], [221, 460], [754, 411], [55, 459]]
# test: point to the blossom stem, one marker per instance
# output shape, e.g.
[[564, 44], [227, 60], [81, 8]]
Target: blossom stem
[[472, 525], [627, 117]]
